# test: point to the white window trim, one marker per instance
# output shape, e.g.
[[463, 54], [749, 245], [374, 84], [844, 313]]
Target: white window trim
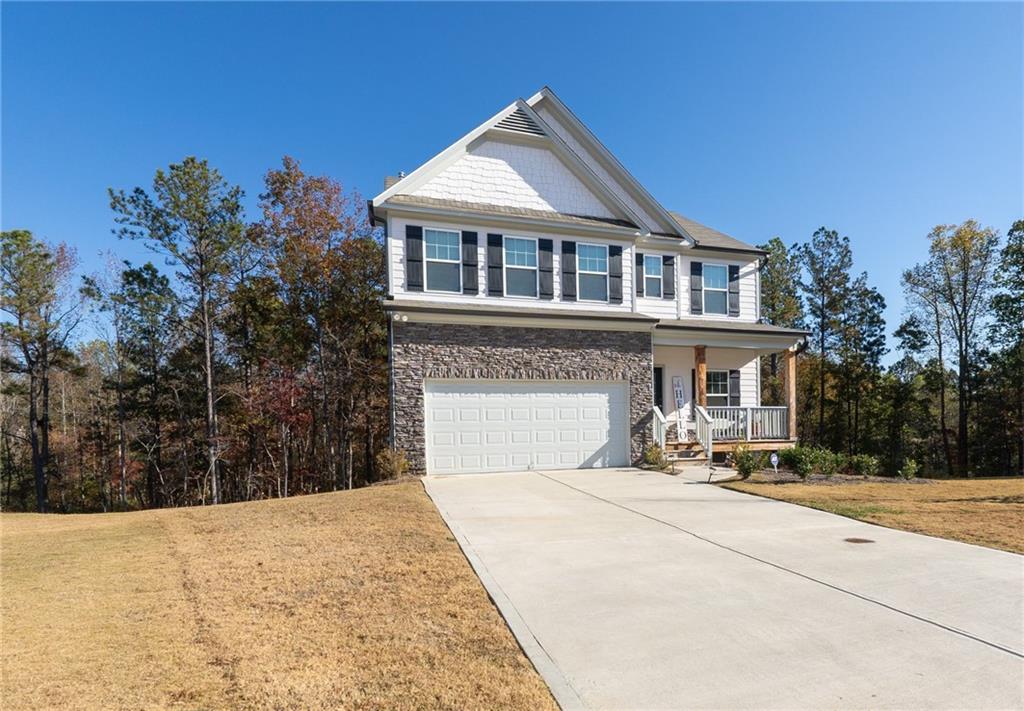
[[707, 382], [660, 276], [536, 269], [426, 260], [704, 288], [579, 270]]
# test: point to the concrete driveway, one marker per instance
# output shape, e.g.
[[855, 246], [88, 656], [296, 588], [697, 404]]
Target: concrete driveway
[[631, 589]]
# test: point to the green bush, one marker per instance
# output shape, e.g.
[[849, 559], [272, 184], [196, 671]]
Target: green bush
[[800, 460], [654, 456], [827, 462], [391, 463], [864, 465], [909, 470], [747, 461]]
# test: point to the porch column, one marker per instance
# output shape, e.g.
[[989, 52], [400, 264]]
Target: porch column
[[701, 365], [789, 388]]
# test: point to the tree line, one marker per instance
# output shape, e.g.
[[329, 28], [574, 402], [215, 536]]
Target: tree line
[[953, 401], [250, 364]]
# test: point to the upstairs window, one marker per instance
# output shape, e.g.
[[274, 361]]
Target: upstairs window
[[444, 260], [520, 266], [652, 276], [716, 289], [592, 272], [718, 388]]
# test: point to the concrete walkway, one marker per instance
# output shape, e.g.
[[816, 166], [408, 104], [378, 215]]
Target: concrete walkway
[[633, 589]]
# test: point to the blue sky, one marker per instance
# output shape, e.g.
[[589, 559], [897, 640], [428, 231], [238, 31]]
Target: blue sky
[[878, 120]]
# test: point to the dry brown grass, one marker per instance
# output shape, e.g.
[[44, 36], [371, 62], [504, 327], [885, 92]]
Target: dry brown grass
[[988, 512], [353, 600]]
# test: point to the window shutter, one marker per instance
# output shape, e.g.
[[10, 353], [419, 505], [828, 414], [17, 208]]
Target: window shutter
[[568, 271], [734, 388], [470, 280], [668, 277], [495, 285], [734, 290], [696, 288], [639, 278], [545, 269], [414, 258], [615, 274]]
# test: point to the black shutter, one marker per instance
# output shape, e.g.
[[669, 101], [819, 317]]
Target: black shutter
[[545, 269], [734, 388], [470, 281], [693, 392], [414, 258], [615, 274], [568, 271], [639, 278], [495, 285], [696, 288], [668, 277], [734, 290]]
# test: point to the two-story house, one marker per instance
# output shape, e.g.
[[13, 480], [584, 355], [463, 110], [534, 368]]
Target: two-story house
[[547, 312]]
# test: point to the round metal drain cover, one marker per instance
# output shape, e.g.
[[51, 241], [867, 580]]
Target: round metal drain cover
[[858, 540]]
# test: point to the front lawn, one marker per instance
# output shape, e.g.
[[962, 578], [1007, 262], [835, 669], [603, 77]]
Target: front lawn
[[988, 512], [359, 599]]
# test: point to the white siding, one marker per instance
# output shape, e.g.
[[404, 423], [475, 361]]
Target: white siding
[[396, 250], [661, 308], [514, 175], [748, 287]]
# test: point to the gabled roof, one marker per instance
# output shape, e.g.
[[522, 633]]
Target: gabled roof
[[518, 120], [625, 198]]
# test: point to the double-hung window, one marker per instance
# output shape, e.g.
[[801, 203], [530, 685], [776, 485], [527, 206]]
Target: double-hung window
[[652, 275], [592, 272], [718, 388], [444, 261], [716, 289], [520, 266]]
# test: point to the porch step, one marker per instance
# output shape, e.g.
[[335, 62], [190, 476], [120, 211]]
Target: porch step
[[686, 454]]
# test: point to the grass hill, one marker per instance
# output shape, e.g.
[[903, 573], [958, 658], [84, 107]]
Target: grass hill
[[358, 599]]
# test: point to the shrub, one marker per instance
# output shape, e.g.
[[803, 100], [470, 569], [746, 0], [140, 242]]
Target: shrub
[[864, 465], [800, 460], [654, 456], [391, 463], [747, 461], [827, 462], [909, 470]]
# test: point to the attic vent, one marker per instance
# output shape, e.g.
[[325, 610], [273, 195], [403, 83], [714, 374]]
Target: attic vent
[[520, 122]]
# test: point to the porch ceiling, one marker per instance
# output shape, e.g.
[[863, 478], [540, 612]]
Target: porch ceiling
[[759, 337]]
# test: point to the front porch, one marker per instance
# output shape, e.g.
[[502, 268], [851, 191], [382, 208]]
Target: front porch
[[708, 394]]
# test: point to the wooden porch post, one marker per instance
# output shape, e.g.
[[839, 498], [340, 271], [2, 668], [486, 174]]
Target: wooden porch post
[[789, 386], [700, 361]]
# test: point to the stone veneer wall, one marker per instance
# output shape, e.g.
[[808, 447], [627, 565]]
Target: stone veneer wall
[[423, 351]]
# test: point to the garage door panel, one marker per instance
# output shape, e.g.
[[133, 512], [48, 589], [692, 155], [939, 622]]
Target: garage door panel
[[475, 426]]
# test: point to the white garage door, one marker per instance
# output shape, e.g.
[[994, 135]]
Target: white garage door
[[495, 426]]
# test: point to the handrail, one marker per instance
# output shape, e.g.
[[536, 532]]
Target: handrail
[[705, 431], [660, 425], [750, 423]]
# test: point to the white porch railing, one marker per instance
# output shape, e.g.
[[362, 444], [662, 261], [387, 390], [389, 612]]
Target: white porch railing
[[749, 424], [660, 425], [704, 430]]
